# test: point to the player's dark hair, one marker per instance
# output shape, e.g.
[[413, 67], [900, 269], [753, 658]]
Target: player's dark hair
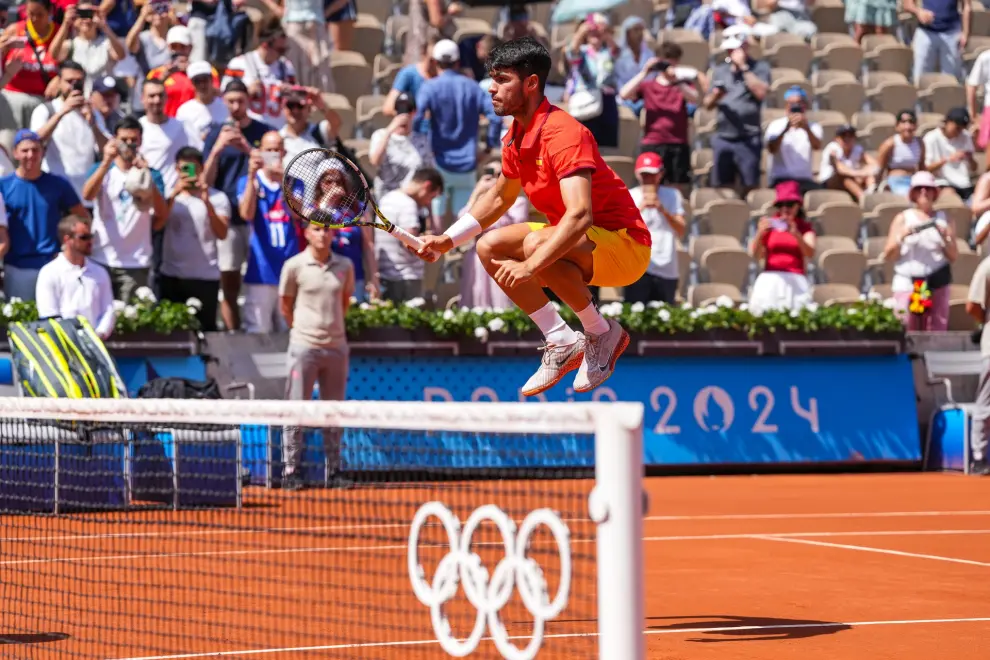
[[270, 32], [525, 56], [128, 123], [671, 51], [429, 175], [235, 85], [71, 65], [189, 155]]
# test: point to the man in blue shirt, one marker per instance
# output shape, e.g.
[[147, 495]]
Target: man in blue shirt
[[229, 148], [455, 104], [942, 34], [274, 239], [36, 201]]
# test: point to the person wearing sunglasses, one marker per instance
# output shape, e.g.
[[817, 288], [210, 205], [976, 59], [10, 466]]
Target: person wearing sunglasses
[[922, 245], [902, 154], [72, 284], [784, 242]]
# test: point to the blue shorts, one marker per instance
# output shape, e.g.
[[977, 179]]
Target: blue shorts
[[736, 161], [348, 13]]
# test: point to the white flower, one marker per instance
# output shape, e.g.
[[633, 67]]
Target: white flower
[[145, 294], [448, 314], [481, 333], [725, 301], [8, 310], [638, 307], [890, 303], [611, 309], [495, 325], [695, 313], [873, 296], [14, 300], [711, 309], [465, 309], [130, 312], [479, 310], [743, 307], [655, 304], [812, 307], [353, 299], [795, 313], [194, 303], [852, 311], [415, 302], [364, 306], [757, 311], [192, 311], [119, 305], [862, 297], [664, 315], [686, 305]]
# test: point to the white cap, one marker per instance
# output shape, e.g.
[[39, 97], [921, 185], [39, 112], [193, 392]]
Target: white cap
[[732, 43], [735, 36], [199, 69], [446, 51], [179, 34]]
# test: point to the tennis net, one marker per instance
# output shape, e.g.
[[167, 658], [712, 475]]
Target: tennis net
[[158, 529]]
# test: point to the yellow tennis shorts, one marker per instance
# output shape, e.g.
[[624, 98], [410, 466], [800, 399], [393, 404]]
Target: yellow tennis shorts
[[618, 259]]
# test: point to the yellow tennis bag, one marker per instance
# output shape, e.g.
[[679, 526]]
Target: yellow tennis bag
[[63, 358]]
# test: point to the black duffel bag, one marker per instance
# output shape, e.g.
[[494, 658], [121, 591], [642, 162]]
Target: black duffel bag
[[180, 388]]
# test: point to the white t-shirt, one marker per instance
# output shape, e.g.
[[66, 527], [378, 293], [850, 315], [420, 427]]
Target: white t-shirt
[[94, 57], [121, 231], [201, 117], [160, 143], [71, 150], [793, 159], [66, 290], [980, 73], [663, 254], [268, 107], [3, 213], [400, 162], [394, 261], [834, 150], [938, 147], [189, 250], [6, 165], [293, 144]]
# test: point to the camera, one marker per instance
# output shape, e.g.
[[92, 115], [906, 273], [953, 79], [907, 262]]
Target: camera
[[796, 108], [489, 171], [404, 106], [661, 66], [85, 13]]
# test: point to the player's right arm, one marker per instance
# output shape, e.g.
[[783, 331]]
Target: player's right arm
[[486, 210]]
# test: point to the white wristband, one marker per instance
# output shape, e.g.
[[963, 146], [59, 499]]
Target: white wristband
[[463, 230]]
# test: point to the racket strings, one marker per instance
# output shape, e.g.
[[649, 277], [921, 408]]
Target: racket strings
[[325, 188]]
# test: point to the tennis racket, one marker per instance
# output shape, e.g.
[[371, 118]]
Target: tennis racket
[[327, 189]]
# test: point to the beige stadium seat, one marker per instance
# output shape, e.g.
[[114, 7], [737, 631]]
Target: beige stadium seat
[[704, 122], [880, 209], [695, 53], [964, 267], [843, 267], [795, 54], [701, 197], [940, 92], [396, 27], [369, 114], [840, 56], [630, 132], [728, 217], [369, 36], [380, 9], [727, 265], [874, 136], [364, 161], [825, 294], [964, 247], [959, 216], [351, 79], [879, 271], [864, 121], [344, 109], [959, 318], [383, 71], [822, 77], [679, 36], [829, 16], [816, 198], [890, 57], [625, 167], [642, 8], [704, 294], [828, 242], [874, 41], [830, 121], [838, 219], [883, 290], [701, 166], [889, 91], [488, 15], [698, 245], [779, 88], [846, 96], [959, 292]]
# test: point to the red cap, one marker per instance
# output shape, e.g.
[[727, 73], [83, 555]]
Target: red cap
[[788, 191], [648, 163]]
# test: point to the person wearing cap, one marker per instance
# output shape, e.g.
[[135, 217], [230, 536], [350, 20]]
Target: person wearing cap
[[739, 86], [922, 244], [35, 201], [299, 133], [941, 36], [268, 74], [592, 89], [396, 151], [34, 38], [178, 87], [845, 165], [949, 153], [791, 140], [147, 44], [662, 208], [455, 104], [69, 129], [162, 136], [305, 25], [207, 109], [104, 101], [784, 243], [94, 45], [902, 154]]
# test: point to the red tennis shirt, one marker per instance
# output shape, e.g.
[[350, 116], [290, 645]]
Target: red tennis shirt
[[554, 146]]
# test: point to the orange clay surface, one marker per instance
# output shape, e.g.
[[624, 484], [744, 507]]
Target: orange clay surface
[[767, 567]]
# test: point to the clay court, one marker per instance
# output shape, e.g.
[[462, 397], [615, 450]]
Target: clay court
[[771, 567]]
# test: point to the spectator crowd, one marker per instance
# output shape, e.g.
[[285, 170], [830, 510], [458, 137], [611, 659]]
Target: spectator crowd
[[782, 152]]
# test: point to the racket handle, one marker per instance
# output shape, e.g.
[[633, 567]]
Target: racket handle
[[412, 242]]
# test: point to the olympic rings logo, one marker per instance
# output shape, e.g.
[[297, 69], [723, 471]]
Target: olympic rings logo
[[489, 593]]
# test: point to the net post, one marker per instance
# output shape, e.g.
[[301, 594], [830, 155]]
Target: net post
[[617, 505]]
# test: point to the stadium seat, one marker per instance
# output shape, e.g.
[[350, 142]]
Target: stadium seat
[[370, 117], [344, 109], [369, 36], [840, 94], [964, 247], [842, 267], [878, 271], [488, 15], [707, 293], [830, 121], [976, 45], [383, 72], [845, 55], [843, 219], [813, 199], [890, 91], [827, 294], [829, 16], [790, 50], [959, 216], [878, 214], [778, 90], [701, 166], [683, 272], [703, 122], [959, 291], [959, 318], [364, 162], [831, 242], [645, 9], [467, 27], [940, 96], [964, 267], [727, 265], [560, 34], [890, 57], [698, 245], [352, 78], [396, 27], [625, 167], [380, 9], [882, 290]]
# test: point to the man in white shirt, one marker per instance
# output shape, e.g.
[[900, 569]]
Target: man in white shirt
[[298, 134], [662, 208], [72, 285], [949, 153], [207, 109], [979, 76], [401, 271], [68, 128], [266, 72], [791, 140], [162, 136], [130, 204]]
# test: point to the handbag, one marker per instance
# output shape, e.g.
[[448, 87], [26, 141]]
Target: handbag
[[585, 104]]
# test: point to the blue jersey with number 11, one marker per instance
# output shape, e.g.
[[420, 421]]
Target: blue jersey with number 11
[[274, 238]]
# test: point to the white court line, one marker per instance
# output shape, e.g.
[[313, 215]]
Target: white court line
[[320, 528], [666, 631], [367, 548], [883, 551]]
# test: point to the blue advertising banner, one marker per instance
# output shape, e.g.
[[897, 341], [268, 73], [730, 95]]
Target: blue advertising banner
[[701, 410]]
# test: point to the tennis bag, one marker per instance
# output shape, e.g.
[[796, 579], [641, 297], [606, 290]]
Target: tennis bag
[[63, 358]]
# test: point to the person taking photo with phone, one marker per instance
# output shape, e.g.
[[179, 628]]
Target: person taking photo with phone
[[791, 141], [147, 42], [93, 44], [396, 150], [268, 74], [784, 242], [298, 133], [29, 63], [179, 87]]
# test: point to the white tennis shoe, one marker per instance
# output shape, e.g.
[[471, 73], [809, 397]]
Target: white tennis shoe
[[600, 353], [557, 362]]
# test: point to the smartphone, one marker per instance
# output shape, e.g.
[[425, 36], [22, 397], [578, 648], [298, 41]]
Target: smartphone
[[796, 108], [270, 158], [778, 225], [661, 66], [85, 13], [489, 171], [188, 170], [160, 7], [78, 85]]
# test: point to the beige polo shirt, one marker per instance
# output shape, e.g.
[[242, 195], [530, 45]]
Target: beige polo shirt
[[318, 319]]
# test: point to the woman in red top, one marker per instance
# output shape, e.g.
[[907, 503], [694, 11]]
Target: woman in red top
[[29, 68], [784, 242]]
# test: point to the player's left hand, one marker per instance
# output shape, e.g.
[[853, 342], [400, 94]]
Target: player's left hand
[[511, 273]]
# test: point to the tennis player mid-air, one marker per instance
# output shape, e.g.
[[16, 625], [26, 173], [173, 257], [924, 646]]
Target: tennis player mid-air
[[596, 235]]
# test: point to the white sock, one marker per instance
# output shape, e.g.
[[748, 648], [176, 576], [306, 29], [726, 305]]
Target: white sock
[[548, 320], [592, 321]]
